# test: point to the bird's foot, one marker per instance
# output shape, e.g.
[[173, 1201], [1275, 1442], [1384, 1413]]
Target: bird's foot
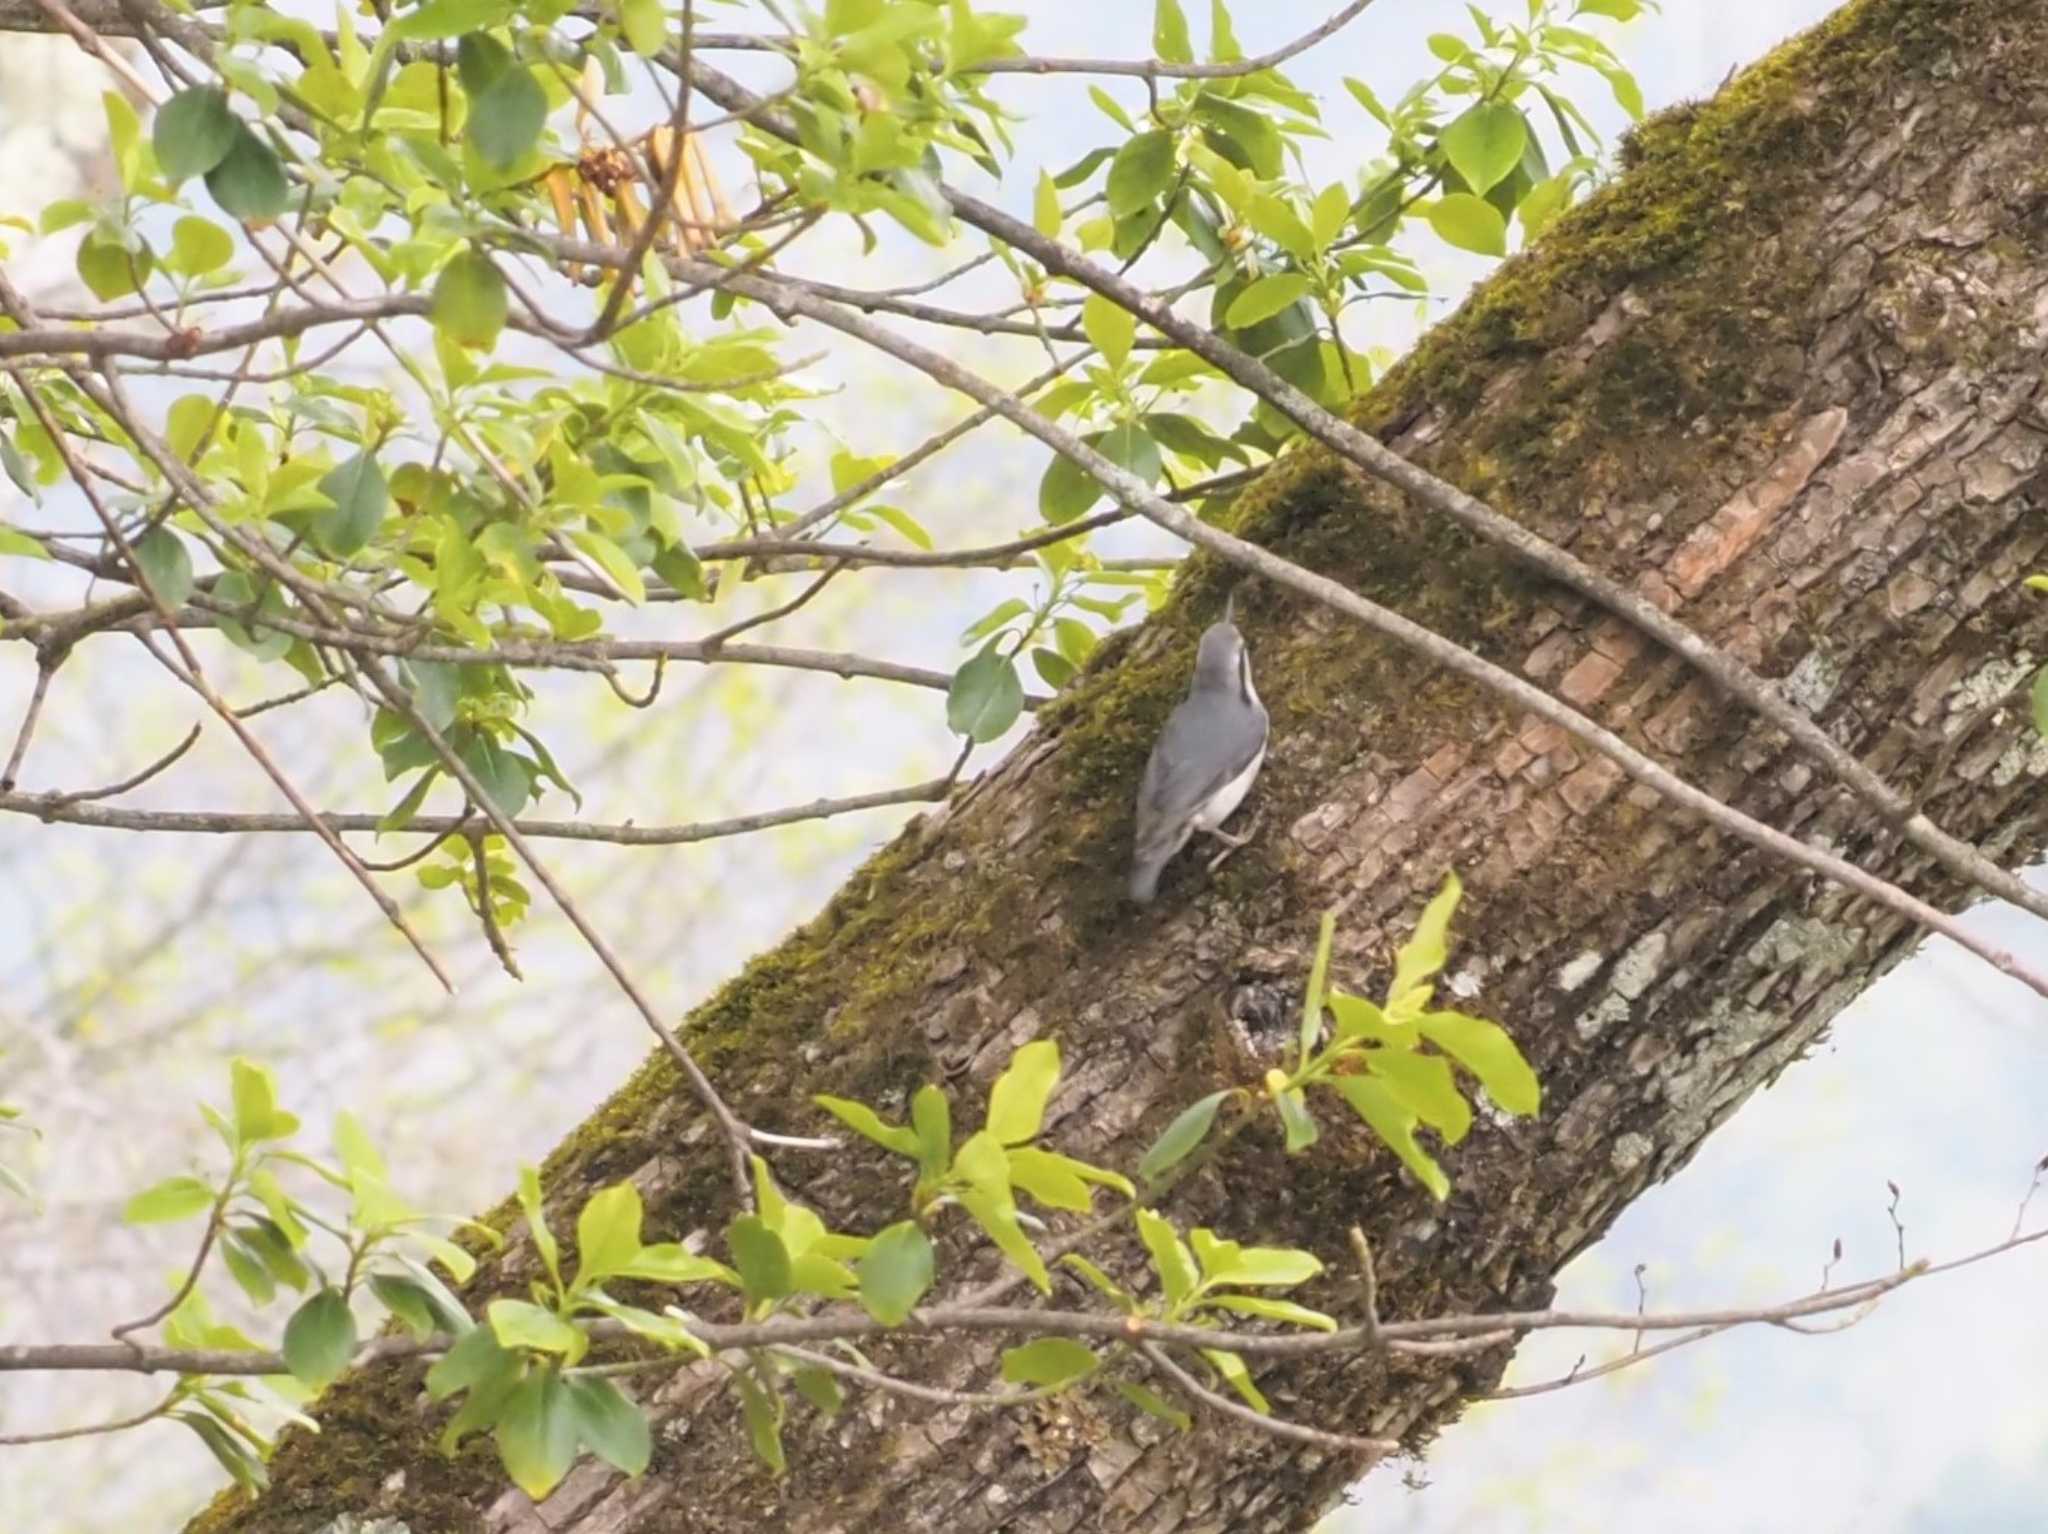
[[1232, 843]]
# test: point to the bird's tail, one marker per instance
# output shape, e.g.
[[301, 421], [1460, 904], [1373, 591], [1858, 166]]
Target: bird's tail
[[1145, 879]]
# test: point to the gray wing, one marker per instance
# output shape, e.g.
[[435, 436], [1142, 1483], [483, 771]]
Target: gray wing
[[1206, 743]]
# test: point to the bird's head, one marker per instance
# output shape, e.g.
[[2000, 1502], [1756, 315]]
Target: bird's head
[[1222, 663]]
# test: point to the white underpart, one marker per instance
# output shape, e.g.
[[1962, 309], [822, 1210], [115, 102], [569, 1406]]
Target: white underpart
[[1231, 794], [1228, 797]]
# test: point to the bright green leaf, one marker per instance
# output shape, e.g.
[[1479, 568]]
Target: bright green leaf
[[607, 1233], [1470, 223], [1016, 1103], [1266, 298], [1110, 328], [1170, 1256], [762, 1259], [1179, 1139], [1045, 207], [1394, 1122], [864, 1121], [1049, 1362], [895, 1272], [175, 1198], [1170, 40], [1486, 1050], [1485, 142], [1417, 961], [1154, 1404]]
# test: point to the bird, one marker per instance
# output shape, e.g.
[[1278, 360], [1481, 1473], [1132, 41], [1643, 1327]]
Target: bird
[[1203, 764]]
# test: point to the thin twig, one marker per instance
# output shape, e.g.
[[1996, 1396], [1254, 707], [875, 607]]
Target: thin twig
[[1275, 1427], [66, 809]]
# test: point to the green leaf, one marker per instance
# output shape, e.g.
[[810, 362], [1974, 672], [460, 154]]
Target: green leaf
[[762, 1259], [20, 545], [1225, 1262], [1170, 1256], [985, 1168], [1110, 328], [360, 498], [1049, 1362], [407, 1301], [931, 1118], [1066, 492], [670, 1262], [1540, 208], [1232, 1368], [520, 1324], [1363, 93], [536, 1222], [1318, 983], [1045, 206], [645, 26], [1154, 1404], [1484, 143], [1266, 298], [109, 268], [614, 561], [1394, 1122], [763, 1414], [986, 697], [1016, 1103], [868, 1124], [249, 182], [247, 1269], [1170, 40], [819, 1388], [607, 1233], [475, 1360], [199, 246], [1140, 173], [166, 565], [320, 1338], [1296, 1120], [607, 1424], [1053, 668], [536, 1433], [1470, 223], [1627, 94], [1358, 1018], [470, 302], [193, 132], [1109, 108], [1273, 1310], [1223, 44], [438, 20], [233, 1455], [1179, 1139], [175, 1198], [1061, 1182], [895, 1272], [507, 107], [504, 777], [1425, 1084], [257, 1116], [1486, 1050], [1417, 961]]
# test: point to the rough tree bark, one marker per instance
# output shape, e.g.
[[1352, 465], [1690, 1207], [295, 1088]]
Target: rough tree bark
[[1785, 376]]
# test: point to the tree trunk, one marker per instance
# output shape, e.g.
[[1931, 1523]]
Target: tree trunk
[[1782, 376]]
